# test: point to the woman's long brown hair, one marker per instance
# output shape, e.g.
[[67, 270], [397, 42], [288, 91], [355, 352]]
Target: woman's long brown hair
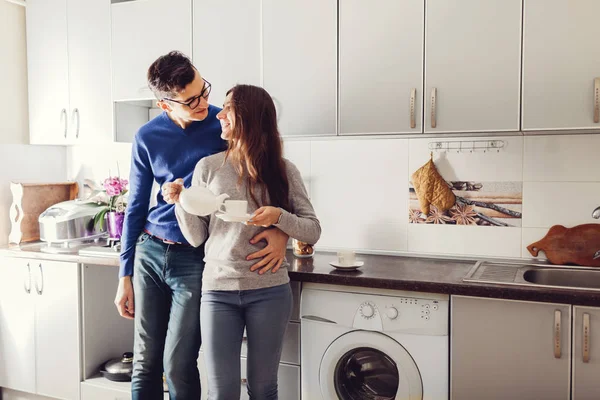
[[255, 145]]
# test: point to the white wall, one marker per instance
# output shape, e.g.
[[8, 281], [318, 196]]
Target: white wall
[[359, 188], [14, 126]]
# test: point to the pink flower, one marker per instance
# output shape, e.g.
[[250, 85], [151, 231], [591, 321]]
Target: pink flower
[[114, 186]]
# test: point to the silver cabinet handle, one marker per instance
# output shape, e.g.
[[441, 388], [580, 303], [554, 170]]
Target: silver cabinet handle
[[433, 105], [557, 331], [27, 280], [597, 100], [40, 288], [63, 118], [586, 338], [413, 97], [76, 115]]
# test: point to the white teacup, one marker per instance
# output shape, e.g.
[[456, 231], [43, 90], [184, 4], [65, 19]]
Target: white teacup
[[235, 208], [346, 258]]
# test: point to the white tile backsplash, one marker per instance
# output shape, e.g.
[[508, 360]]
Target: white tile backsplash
[[359, 191], [464, 240], [298, 152], [359, 188], [559, 203], [557, 158]]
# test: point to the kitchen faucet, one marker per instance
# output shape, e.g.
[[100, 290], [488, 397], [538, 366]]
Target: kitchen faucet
[[596, 214]]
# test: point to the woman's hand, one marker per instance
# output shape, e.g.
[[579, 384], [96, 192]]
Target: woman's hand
[[265, 216], [172, 190]]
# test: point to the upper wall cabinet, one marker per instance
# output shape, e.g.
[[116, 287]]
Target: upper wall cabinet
[[48, 71], [227, 44], [472, 65], [380, 66], [300, 63], [561, 65], [142, 31], [68, 58], [91, 115]]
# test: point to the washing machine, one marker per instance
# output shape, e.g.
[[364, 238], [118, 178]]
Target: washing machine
[[371, 344]]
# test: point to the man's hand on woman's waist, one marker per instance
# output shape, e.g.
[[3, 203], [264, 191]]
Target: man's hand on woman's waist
[[273, 254]]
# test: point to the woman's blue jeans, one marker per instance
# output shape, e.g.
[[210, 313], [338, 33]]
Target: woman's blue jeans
[[167, 285], [224, 314]]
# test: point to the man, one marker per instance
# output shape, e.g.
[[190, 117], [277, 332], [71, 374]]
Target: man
[[158, 266]]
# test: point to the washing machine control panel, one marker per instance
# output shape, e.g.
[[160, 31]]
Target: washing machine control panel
[[401, 314]]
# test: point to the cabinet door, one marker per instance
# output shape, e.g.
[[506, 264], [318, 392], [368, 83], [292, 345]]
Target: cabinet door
[[473, 64], [502, 349], [17, 340], [560, 64], [141, 32], [381, 66], [299, 64], [48, 71], [57, 338], [90, 115], [232, 53], [586, 353]]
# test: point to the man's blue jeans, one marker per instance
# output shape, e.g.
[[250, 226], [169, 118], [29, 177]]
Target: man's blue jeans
[[265, 314], [167, 284]]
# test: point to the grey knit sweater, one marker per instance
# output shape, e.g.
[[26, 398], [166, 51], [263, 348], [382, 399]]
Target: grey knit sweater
[[228, 243]]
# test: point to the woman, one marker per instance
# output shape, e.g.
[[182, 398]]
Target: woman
[[233, 297]]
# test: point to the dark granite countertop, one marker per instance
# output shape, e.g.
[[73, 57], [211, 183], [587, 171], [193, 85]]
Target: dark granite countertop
[[423, 274], [398, 272]]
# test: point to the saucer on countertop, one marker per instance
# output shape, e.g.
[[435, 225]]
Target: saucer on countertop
[[352, 267]]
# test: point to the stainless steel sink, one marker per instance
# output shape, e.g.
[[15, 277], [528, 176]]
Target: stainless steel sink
[[576, 278], [523, 274]]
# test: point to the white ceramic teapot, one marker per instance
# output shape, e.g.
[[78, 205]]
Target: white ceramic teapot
[[199, 200]]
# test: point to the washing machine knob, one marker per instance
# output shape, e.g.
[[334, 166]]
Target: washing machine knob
[[392, 313], [367, 310]]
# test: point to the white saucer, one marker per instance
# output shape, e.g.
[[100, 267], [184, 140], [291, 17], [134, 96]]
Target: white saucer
[[356, 265], [233, 218]]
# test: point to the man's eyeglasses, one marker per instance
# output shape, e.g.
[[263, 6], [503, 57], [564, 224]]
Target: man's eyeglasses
[[195, 101]]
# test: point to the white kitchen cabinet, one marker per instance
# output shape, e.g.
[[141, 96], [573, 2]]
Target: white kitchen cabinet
[[17, 335], [57, 338], [586, 353], [299, 64], [142, 31], [91, 109], [227, 43], [504, 349], [68, 56], [47, 71], [381, 66], [472, 65], [560, 64], [40, 334]]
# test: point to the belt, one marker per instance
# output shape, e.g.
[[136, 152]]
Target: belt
[[165, 241]]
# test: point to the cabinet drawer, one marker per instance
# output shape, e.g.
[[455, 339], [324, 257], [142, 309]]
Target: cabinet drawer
[[288, 381], [92, 392], [291, 344]]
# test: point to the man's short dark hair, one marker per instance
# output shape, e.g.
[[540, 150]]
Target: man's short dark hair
[[170, 74]]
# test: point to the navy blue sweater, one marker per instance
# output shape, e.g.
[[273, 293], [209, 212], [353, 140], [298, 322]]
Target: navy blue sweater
[[163, 152]]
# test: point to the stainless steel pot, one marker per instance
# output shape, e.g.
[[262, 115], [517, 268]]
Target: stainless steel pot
[[118, 369]]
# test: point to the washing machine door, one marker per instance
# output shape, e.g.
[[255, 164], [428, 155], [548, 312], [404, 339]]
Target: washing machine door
[[366, 365]]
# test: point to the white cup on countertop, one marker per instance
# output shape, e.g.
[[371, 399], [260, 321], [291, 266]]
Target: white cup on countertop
[[346, 258]]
